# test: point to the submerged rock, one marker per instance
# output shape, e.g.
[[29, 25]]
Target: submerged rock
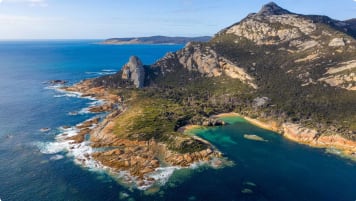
[[246, 191], [57, 82], [45, 129], [254, 137]]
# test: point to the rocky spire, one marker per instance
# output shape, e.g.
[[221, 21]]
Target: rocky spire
[[134, 71], [272, 9]]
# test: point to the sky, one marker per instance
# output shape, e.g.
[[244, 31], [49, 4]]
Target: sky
[[100, 19]]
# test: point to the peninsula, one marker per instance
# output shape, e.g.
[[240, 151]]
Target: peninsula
[[294, 74], [155, 40]]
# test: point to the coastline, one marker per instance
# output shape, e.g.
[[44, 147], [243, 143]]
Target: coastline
[[142, 164], [332, 143], [145, 164]]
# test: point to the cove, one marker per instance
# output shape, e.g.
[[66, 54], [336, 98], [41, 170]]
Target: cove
[[273, 169]]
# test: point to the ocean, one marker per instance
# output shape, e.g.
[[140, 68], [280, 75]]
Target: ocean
[[32, 167]]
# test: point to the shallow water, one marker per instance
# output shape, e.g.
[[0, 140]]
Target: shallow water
[[273, 170]]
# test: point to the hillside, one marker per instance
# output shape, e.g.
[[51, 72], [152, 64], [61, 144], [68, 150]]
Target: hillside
[[155, 40], [306, 69]]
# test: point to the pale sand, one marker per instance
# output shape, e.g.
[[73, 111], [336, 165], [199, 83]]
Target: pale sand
[[272, 126], [187, 128]]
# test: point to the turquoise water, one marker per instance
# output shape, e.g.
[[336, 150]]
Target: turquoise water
[[273, 170], [278, 169]]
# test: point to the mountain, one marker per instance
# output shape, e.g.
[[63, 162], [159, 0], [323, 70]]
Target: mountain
[[294, 74], [155, 40], [304, 64]]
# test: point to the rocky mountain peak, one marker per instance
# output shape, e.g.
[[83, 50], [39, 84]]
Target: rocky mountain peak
[[134, 71], [272, 9]]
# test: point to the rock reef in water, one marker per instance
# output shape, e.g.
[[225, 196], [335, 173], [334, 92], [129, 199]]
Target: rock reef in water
[[254, 137]]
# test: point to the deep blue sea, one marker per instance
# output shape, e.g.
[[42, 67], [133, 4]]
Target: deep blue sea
[[276, 170]]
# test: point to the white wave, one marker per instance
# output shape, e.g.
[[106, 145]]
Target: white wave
[[100, 73], [97, 102], [109, 70], [73, 113], [56, 157], [84, 111], [51, 147], [63, 92], [53, 87], [58, 96], [81, 152], [161, 176], [72, 95]]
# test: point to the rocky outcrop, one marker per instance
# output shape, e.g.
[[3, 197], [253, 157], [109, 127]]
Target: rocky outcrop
[[272, 9], [301, 134], [343, 75], [337, 42], [311, 137], [272, 29], [134, 71], [203, 59], [57, 82]]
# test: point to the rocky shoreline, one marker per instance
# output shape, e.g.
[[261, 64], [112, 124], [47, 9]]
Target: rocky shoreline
[[138, 159], [302, 135]]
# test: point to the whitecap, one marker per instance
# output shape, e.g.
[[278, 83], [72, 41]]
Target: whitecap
[[97, 102], [51, 147], [162, 174], [84, 111], [71, 95], [56, 157], [109, 70], [101, 73], [73, 113]]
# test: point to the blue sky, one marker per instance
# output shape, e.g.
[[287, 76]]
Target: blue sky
[[98, 19]]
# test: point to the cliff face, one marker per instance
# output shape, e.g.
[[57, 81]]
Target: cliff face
[[134, 71], [203, 59]]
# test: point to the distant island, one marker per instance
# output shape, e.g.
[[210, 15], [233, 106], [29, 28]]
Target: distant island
[[155, 40]]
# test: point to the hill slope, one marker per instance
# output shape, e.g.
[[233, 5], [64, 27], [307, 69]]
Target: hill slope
[[305, 68]]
